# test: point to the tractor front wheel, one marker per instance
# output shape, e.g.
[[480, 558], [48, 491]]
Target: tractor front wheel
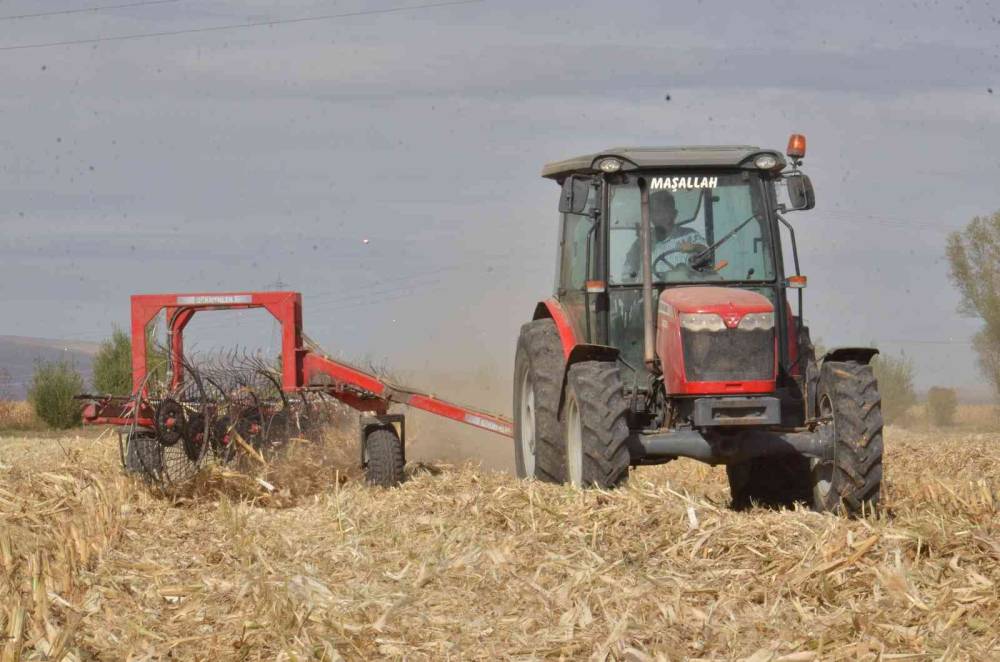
[[383, 458], [595, 425], [849, 401], [539, 446]]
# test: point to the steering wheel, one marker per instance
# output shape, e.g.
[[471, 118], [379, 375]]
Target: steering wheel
[[668, 266], [684, 247]]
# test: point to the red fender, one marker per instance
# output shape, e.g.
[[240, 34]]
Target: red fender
[[552, 309]]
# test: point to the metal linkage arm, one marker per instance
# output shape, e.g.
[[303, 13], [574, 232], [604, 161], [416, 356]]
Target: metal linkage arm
[[366, 392]]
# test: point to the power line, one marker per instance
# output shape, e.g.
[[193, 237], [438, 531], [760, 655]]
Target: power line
[[479, 264], [924, 342], [86, 9], [236, 26], [365, 287], [868, 219]]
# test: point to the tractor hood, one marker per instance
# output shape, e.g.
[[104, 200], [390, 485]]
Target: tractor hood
[[731, 303], [701, 356]]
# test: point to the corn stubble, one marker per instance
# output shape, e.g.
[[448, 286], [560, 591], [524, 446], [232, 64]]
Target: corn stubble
[[302, 561]]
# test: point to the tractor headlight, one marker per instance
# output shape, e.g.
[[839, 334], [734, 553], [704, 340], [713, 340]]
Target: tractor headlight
[[757, 322], [766, 161], [702, 322], [609, 165]]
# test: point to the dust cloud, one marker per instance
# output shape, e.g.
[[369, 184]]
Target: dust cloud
[[434, 439]]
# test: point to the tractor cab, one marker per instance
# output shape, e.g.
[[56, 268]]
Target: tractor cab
[[712, 215], [672, 332]]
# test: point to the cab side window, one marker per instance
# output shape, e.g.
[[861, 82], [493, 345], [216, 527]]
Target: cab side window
[[625, 211]]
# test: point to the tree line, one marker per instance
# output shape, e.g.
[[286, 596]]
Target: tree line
[[54, 384], [973, 255]]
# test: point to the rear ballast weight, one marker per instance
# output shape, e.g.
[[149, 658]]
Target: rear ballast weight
[[304, 369]]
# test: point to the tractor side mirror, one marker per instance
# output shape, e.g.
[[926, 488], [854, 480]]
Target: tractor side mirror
[[801, 195], [575, 192]]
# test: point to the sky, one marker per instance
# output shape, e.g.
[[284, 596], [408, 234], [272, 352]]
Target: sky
[[264, 158]]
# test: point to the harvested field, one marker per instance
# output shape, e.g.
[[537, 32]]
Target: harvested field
[[462, 563]]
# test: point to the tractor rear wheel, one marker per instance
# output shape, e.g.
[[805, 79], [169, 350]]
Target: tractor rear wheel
[[539, 445], [772, 482], [849, 401], [383, 458], [595, 424]]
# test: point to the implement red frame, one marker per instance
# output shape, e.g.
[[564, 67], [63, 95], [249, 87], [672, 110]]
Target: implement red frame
[[302, 368]]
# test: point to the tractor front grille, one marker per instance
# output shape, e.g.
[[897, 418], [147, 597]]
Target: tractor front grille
[[732, 355]]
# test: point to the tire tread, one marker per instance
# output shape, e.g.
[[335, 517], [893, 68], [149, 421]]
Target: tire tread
[[539, 344], [385, 458], [857, 466], [597, 387]]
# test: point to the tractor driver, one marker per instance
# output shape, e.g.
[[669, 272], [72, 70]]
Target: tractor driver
[[672, 243]]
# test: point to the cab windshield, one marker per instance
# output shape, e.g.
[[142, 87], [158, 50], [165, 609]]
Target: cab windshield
[[706, 227]]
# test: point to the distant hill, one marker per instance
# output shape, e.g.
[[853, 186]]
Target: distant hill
[[18, 355]]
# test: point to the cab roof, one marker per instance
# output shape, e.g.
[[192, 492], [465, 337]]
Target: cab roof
[[635, 158]]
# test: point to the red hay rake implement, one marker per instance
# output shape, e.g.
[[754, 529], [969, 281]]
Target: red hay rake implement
[[238, 408]]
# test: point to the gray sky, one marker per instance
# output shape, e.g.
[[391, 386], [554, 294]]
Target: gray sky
[[230, 159]]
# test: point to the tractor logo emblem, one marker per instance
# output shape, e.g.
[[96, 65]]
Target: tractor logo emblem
[[731, 319]]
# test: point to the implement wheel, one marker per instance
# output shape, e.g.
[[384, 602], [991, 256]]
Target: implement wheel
[[849, 401], [595, 425], [383, 457], [539, 445], [142, 454]]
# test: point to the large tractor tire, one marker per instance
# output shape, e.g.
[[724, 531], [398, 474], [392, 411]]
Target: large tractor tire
[[595, 424], [539, 445], [849, 399], [383, 458], [771, 482]]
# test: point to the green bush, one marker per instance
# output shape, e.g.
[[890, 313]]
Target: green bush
[[51, 394], [113, 365], [942, 403], [895, 385]]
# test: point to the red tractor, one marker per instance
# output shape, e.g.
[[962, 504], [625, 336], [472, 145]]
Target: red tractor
[[671, 334]]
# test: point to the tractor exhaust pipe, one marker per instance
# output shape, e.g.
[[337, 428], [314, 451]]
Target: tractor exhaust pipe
[[646, 245], [719, 449]]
